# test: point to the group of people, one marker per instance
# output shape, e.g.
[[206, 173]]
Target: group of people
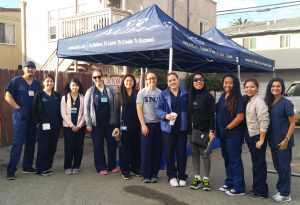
[[151, 123]]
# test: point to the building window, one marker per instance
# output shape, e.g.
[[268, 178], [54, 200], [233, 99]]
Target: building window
[[249, 43], [285, 41], [52, 25], [7, 34], [203, 27]]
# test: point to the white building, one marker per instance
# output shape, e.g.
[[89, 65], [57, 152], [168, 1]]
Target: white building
[[278, 40], [48, 21]]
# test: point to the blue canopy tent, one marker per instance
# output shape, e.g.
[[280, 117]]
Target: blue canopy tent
[[247, 60], [149, 38]]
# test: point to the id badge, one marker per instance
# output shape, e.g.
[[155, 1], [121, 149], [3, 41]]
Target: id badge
[[123, 128], [73, 110], [31, 93], [104, 99], [46, 126]]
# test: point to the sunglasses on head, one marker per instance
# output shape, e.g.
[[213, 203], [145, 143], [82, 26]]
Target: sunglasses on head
[[198, 79], [95, 77]]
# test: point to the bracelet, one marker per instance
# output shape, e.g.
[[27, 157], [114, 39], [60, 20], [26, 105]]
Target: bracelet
[[287, 139]]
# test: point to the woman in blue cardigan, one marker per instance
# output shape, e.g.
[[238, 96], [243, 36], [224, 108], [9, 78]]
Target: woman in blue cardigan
[[174, 100]]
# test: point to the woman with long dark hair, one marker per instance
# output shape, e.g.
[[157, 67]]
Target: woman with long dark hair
[[130, 128], [280, 136], [71, 107], [257, 121], [47, 117], [201, 112], [229, 114]]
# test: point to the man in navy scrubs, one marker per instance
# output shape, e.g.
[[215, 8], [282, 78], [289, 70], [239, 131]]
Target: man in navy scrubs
[[19, 95]]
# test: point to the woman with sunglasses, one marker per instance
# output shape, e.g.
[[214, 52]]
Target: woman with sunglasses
[[100, 117], [229, 116], [280, 136], [130, 145], [46, 114], [201, 113], [71, 107], [172, 106]]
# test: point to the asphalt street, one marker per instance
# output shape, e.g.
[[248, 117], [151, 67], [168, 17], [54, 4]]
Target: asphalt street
[[88, 187]]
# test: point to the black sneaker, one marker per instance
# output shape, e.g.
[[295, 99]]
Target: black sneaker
[[126, 176], [45, 173], [137, 173], [29, 171], [10, 176], [256, 196]]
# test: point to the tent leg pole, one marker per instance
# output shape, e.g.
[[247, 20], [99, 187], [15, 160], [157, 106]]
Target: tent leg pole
[[170, 60], [125, 70], [239, 72], [56, 75], [141, 79]]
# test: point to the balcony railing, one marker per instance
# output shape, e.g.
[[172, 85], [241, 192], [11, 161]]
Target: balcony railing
[[87, 22]]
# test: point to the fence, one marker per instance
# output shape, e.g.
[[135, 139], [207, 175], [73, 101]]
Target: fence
[[5, 110]]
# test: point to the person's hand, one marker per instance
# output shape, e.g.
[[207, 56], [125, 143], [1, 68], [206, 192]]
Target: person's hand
[[211, 136], [145, 130], [259, 143], [170, 117], [283, 144], [115, 132], [89, 129], [75, 128]]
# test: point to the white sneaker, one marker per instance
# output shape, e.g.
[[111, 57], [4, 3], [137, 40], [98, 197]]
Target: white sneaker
[[276, 195], [182, 183], [68, 171], [174, 182], [282, 199], [75, 171]]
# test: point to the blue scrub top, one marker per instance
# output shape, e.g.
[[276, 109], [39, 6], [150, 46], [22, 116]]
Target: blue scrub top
[[279, 122], [223, 117], [74, 113], [102, 107], [176, 107], [19, 89], [51, 109]]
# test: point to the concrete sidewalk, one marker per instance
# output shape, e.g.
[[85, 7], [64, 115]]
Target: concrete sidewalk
[[90, 188]]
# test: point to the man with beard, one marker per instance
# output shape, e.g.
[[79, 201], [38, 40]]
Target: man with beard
[[19, 95]]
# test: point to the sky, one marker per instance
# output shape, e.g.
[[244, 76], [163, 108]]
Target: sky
[[226, 20], [280, 13]]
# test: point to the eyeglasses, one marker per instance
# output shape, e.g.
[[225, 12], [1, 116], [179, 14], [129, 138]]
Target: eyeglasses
[[198, 79], [153, 78], [95, 77]]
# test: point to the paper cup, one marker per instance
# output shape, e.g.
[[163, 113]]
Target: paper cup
[[172, 122]]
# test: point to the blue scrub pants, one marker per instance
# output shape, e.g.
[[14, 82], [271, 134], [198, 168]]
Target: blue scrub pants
[[282, 164], [130, 151], [47, 143], [231, 147], [98, 135], [259, 166], [74, 142], [24, 132], [175, 143], [151, 151]]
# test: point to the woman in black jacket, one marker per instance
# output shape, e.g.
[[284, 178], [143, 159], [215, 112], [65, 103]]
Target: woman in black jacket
[[202, 116], [47, 117]]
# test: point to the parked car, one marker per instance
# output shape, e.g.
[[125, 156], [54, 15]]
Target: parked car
[[293, 94]]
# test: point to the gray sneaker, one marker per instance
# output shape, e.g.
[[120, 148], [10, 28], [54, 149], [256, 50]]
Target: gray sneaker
[[146, 181], [75, 171], [68, 171]]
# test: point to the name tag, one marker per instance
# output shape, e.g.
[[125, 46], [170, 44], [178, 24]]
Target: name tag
[[73, 110], [31, 93], [123, 128], [104, 99], [46, 126]]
